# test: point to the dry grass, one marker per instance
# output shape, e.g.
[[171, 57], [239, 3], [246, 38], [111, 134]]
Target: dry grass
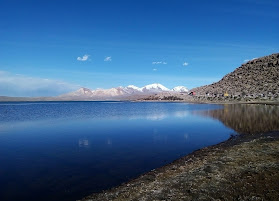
[[243, 168]]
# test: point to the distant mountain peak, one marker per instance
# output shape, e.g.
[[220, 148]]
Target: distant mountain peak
[[80, 92], [120, 91], [84, 90], [155, 87], [180, 89], [133, 87]]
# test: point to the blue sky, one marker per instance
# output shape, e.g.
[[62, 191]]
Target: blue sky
[[52, 47]]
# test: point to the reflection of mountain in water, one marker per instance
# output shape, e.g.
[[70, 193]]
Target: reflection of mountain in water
[[244, 118]]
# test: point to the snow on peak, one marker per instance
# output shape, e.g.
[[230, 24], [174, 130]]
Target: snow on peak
[[151, 88], [155, 87], [83, 91], [180, 89], [125, 91], [133, 87]]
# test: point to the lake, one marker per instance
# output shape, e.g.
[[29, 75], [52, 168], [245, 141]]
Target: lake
[[67, 150]]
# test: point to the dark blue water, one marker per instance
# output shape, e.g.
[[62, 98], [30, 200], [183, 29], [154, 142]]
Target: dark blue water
[[66, 150]]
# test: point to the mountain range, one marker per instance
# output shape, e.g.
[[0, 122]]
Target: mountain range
[[120, 92]]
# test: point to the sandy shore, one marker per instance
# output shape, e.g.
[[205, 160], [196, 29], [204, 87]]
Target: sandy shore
[[245, 167]]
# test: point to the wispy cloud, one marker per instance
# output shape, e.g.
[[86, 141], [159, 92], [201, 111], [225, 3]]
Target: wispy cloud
[[107, 59], [154, 69], [84, 58], [159, 62], [246, 60], [21, 85], [185, 64]]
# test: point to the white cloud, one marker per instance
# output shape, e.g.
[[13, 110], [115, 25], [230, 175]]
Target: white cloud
[[185, 64], [107, 59], [21, 85], [84, 58], [159, 62], [246, 60], [154, 69], [156, 62]]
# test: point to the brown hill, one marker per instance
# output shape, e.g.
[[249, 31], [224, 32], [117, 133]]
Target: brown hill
[[256, 79]]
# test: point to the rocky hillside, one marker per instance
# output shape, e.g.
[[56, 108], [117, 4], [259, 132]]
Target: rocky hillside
[[256, 79]]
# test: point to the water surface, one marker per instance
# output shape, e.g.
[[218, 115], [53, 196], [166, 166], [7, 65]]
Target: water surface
[[67, 150]]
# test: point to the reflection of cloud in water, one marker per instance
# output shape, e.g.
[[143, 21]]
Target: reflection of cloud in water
[[160, 138], [156, 117], [109, 141], [152, 117], [181, 114], [83, 143], [161, 116], [155, 131], [186, 136], [157, 137]]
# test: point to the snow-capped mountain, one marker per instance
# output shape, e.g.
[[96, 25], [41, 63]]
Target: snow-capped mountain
[[124, 91], [154, 88], [132, 89], [80, 92], [118, 91], [180, 89]]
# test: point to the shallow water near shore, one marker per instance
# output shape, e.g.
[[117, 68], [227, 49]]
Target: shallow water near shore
[[68, 150]]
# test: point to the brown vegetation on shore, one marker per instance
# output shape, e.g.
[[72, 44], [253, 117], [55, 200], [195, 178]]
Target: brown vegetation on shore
[[245, 167]]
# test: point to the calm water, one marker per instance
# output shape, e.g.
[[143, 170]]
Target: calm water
[[67, 150]]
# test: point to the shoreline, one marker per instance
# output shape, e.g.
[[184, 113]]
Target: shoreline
[[189, 101], [184, 99], [244, 167]]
